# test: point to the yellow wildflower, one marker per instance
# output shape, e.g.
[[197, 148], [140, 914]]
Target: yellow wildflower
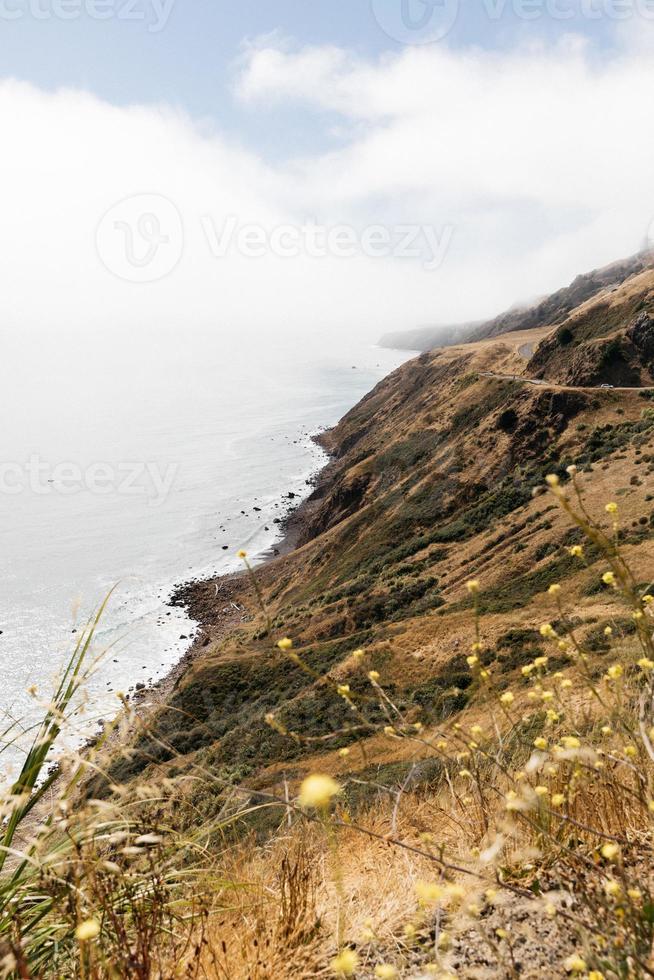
[[285, 644], [507, 698], [317, 791], [87, 930], [608, 578], [610, 852], [385, 971], [575, 964], [429, 892], [346, 963]]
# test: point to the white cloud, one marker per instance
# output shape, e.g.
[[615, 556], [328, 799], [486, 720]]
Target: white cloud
[[539, 159]]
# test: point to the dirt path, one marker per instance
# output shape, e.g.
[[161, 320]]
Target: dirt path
[[560, 387]]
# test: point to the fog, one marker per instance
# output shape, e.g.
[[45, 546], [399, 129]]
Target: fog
[[457, 184]]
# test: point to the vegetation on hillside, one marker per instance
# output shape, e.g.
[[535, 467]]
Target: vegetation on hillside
[[424, 747], [530, 802]]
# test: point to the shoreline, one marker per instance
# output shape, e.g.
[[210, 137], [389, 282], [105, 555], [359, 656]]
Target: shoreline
[[218, 614]]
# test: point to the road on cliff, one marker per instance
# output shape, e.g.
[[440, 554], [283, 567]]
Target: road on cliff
[[553, 384]]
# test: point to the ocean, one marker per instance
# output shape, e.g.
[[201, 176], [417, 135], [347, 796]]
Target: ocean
[[138, 464]]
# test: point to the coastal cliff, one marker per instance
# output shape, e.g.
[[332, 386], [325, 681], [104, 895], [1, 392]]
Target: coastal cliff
[[420, 741], [431, 481], [545, 312]]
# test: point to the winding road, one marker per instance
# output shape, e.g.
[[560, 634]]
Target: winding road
[[557, 385]]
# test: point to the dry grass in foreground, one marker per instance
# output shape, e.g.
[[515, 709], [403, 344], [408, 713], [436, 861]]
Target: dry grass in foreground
[[526, 852]]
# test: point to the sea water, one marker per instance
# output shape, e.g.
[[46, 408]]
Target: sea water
[[137, 465]]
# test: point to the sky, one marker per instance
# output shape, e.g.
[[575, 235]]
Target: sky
[[323, 165]]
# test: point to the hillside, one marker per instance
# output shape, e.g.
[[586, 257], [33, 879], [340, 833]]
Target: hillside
[[546, 312], [431, 483], [607, 340], [447, 654], [434, 479]]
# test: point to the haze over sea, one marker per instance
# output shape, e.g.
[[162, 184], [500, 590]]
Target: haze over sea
[[143, 457]]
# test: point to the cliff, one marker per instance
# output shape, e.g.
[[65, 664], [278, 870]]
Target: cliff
[[546, 312], [421, 742]]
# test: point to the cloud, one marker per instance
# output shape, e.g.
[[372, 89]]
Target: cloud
[[527, 167], [539, 157]]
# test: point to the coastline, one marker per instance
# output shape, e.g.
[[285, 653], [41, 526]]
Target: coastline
[[212, 602]]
